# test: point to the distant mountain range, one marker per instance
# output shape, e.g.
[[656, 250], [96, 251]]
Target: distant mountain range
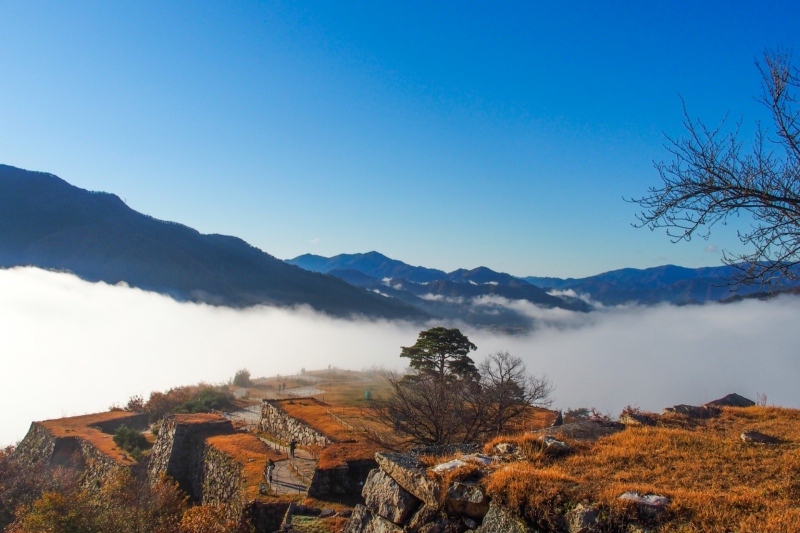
[[668, 283], [48, 223]]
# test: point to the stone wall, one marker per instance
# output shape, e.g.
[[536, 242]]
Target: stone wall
[[41, 446], [347, 479], [179, 452], [96, 464], [277, 422], [222, 479], [37, 446]]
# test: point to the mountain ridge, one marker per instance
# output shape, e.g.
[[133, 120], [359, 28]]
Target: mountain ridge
[[48, 223]]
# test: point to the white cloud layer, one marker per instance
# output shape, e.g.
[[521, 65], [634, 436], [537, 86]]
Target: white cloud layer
[[69, 347]]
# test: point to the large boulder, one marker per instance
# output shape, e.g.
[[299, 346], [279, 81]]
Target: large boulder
[[411, 474], [365, 521], [384, 496], [499, 520], [731, 400], [756, 437], [467, 499], [552, 446], [583, 430], [427, 514]]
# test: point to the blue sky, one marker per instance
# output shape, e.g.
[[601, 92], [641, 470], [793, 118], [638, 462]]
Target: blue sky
[[502, 134]]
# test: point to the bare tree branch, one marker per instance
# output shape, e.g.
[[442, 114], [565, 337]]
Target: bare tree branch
[[711, 179]]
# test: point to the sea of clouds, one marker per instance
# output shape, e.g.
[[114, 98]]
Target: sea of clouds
[[70, 347]]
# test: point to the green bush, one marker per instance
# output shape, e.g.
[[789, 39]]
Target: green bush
[[205, 401], [129, 439]]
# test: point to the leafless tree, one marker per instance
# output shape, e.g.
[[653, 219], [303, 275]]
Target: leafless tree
[[712, 178], [510, 390], [429, 409]]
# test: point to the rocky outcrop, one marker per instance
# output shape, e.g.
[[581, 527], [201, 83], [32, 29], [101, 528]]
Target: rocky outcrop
[[499, 520], [411, 474], [467, 499], [388, 499], [584, 430], [365, 521], [277, 422], [731, 400], [404, 495]]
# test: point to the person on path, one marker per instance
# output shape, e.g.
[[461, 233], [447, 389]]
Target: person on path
[[270, 470], [292, 446]]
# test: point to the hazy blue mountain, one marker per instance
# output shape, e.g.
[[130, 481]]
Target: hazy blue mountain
[[372, 264], [667, 283], [483, 275], [48, 223]]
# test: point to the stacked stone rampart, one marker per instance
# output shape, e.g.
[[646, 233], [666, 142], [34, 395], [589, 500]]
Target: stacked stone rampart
[[347, 478], [277, 422], [40, 446], [222, 479], [180, 449]]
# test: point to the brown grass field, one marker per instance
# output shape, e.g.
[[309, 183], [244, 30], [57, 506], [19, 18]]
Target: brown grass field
[[716, 482]]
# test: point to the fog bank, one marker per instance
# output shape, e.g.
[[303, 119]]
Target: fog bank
[[70, 347]]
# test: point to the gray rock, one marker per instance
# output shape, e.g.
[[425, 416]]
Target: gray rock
[[412, 475], [650, 505], [584, 430], [427, 514], [731, 400], [467, 499], [582, 519], [559, 421], [505, 448], [552, 446], [636, 419], [757, 437], [365, 521], [326, 513], [499, 520], [385, 497]]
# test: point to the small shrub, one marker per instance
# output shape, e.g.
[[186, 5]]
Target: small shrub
[[129, 439], [242, 378]]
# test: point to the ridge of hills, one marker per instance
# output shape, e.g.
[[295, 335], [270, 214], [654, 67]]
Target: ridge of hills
[[666, 283], [47, 223]]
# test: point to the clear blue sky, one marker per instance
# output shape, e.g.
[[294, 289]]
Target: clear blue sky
[[451, 135]]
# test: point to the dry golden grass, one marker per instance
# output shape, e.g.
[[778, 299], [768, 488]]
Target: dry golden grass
[[198, 418], [716, 483], [79, 426], [315, 414], [337, 455]]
